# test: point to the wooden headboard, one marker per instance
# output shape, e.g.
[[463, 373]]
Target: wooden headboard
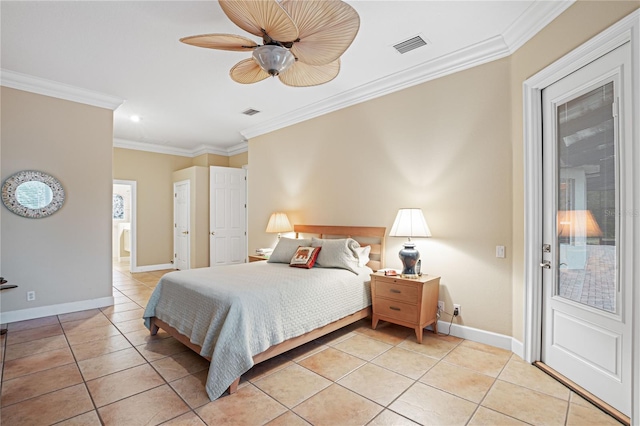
[[365, 235]]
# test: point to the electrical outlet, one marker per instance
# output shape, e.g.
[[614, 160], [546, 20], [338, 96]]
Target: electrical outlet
[[440, 305], [31, 296], [456, 309]]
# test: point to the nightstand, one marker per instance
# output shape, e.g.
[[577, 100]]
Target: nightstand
[[411, 302], [256, 258]]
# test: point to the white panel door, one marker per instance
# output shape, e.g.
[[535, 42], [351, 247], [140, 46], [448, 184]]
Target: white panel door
[[587, 231], [228, 217], [181, 235]]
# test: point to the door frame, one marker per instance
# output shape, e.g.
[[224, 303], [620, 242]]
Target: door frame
[[133, 259], [626, 30], [175, 245]]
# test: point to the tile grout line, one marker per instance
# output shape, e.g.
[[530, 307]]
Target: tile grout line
[[84, 382], [56, 390], [166, 382], [367, 362], [415, 381], [479, 404]]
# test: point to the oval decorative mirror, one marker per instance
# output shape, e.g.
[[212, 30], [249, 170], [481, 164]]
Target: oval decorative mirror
[[32, 194]]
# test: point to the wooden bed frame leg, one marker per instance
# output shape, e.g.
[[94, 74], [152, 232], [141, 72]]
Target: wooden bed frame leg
[[154, 329], [233, 387]]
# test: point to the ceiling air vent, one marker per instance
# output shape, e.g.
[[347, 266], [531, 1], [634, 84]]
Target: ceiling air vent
[[250, 111], [409, 45]]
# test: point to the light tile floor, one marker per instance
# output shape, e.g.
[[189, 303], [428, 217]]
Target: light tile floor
[[102, 367]]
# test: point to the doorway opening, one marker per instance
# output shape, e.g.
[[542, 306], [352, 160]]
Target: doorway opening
[[123, 225]]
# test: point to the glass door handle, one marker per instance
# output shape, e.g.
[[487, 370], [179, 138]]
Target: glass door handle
[[545, 264]]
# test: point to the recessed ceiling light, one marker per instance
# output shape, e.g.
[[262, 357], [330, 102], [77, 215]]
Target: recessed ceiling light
[[135, 118]]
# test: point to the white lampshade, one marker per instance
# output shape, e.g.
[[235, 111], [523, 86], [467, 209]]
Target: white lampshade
[[273, 59], [410, 223], [279, 222]]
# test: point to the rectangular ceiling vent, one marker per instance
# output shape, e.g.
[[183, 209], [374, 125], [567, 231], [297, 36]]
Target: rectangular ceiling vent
[[409, 45], [250, 111]]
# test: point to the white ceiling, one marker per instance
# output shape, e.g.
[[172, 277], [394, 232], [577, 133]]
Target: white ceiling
[[188, 102]]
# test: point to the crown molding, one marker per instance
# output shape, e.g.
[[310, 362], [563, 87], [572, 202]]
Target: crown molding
[[535, 18], [151, 147], [41, 86], [170, 150], [238, 148], [538, 15], [232, 150], [468, 57]]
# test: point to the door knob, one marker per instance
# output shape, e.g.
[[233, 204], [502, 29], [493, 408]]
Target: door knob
[[545, 264], [185, 232]]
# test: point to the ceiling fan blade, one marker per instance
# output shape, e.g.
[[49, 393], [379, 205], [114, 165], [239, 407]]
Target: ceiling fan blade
[[326, 29], [304, 75], [247, 71], [255, 15], [220, 42]]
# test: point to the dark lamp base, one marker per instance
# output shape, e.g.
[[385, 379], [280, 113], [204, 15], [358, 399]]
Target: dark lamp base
[[409, 257]]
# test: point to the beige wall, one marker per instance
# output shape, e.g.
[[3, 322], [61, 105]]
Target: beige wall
[[65, 257], [437, 146], [238, 160], [198, 178], [564, 34], [154, 204], [452, 146], [206, 160]]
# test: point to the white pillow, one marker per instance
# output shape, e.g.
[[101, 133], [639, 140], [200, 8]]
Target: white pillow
[[363, 255], [338, 253], [285, 249]]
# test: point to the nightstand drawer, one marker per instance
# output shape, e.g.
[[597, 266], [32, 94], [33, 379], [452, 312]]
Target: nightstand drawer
[[411, 302], [394, 309], [392, 290]]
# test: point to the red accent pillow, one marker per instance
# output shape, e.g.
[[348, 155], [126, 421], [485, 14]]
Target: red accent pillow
[[305, 257]]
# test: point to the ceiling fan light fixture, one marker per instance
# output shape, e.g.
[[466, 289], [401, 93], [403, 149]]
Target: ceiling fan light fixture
[[273, 59]]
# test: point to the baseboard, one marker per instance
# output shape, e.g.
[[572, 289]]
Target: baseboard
[[151, 268], [517, 347], [45, 311], [481, 336]]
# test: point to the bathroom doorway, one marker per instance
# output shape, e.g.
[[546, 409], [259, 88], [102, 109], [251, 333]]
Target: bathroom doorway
[[124, 226]]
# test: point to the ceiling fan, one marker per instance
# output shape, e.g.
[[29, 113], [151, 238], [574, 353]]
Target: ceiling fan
[[302, 39]]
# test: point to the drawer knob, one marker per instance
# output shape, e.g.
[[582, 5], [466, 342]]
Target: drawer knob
[[393, 290], [393, 308]]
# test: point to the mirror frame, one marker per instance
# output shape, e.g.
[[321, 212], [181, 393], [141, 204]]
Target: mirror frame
[[13, 182]]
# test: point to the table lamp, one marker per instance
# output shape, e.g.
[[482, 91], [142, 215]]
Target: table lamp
[[279, 222], [409, 223], [577, 223]]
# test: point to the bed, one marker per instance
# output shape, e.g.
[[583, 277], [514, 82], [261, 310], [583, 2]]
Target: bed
[[239, 315]]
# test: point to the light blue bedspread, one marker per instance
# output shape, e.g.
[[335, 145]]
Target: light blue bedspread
[[235, 312]]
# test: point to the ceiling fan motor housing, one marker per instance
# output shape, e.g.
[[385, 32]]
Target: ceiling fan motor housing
[[273, 59]]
